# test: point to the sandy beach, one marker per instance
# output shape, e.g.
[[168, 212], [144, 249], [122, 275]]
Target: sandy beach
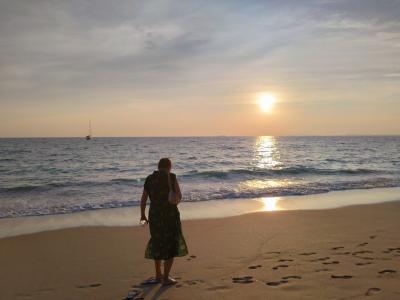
[[343, 253], [273, 124]]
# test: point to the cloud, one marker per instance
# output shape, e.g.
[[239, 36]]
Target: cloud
[[57, 41], [179, 51]]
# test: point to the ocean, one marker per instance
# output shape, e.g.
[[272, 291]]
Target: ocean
[[41, 176]]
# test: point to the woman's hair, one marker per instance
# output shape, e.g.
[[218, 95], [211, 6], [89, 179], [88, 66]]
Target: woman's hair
[[164, 163]]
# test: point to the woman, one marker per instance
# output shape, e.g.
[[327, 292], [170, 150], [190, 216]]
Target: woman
[[166, 240]]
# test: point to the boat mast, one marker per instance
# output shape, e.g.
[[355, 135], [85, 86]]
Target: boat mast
[[89, 136]]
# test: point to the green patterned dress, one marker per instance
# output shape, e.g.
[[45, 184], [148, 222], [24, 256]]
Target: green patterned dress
[[166, 240]]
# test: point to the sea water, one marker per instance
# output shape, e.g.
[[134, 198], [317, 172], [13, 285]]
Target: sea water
[[41, 176]]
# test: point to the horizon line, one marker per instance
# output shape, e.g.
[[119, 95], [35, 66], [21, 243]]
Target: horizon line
[[195, 136]]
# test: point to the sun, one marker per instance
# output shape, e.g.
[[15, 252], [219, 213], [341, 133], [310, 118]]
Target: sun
[[266, 102]]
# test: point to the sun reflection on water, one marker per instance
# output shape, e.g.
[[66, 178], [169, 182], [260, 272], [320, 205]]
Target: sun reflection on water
[[270, 203], [266, 153], [267, 157], [258, 184]]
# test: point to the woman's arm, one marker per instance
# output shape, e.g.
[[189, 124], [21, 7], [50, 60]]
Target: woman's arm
[[178, 190], [143, 202]]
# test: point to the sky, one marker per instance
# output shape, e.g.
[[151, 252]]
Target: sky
[[189, 68]]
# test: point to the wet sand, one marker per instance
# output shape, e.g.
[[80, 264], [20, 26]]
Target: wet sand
[[129, 216], [343, 253]]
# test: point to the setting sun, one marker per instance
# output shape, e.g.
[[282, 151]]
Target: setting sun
[[266, 102]]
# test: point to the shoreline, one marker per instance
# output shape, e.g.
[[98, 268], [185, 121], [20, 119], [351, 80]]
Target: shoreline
[[210, 209], [346, 252]]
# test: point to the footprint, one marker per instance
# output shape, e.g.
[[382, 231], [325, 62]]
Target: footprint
[[276, 283], [320, 259], [217, 288], [362, 252], [365, 258], [291, 277], [372, 237], [387, 271], [280, 266], [343, 253], [191, 282], [323, 270], [393, 249], [335, 262], [307, 253], [255, 267], [362, 244], [324, 258], [341, 276], [337, 248], [244, 279], [363, 263], [273, 252], [192, 256], [150, 281], [285, 260], [372, 291], [92, 285], [132, 295]]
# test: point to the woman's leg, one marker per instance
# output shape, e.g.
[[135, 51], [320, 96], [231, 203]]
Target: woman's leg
[[157, 264], [167, 268]]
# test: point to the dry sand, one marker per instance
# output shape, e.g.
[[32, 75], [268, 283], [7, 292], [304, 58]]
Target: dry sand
[[343, 253]]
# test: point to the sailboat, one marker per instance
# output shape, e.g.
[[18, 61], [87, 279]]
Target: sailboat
[[89, 136]]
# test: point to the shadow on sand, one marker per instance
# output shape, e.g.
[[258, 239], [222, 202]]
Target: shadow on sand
[[147, 291]]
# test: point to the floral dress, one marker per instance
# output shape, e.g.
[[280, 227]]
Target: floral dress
[[166, 240]]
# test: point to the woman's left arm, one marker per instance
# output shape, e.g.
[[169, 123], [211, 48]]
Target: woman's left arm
[[178, 190], [143, 202]]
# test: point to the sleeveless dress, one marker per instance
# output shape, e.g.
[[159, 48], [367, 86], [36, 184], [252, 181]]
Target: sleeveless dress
[[166, 240]]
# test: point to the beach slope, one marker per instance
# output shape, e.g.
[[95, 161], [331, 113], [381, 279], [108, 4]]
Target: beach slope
[[344, 253]]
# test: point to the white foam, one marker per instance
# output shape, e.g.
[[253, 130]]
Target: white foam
[[129, 216]]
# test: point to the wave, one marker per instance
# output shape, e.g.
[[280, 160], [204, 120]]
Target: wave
[[128, 180], [302, 189], [7, 159], [71, 184], [281, 171], [234, 174]]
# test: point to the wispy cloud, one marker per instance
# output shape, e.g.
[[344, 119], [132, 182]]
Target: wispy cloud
[[184, 50]]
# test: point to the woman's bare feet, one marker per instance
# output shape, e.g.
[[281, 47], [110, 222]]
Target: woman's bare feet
[[169, 281]]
